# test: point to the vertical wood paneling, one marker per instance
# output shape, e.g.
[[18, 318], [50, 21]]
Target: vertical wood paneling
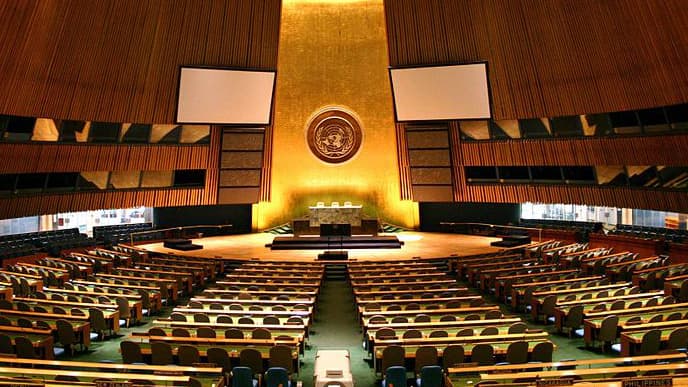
[[404, 165], [590, 195], [118, 60], [558, 57], [26, 158], [656, 150]]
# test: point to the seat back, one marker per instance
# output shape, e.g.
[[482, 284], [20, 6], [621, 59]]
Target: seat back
[[483, 354], [219, 357], [276, 377], [517, 352], [6, 346], [131, 352], [425, 356], [542, 352], [242, 377], [251, 358], [650, 343], [161, 353], [393, 355], [452, 356], [281, 356], [430, 376], [188, 355], [24, 348], [395, 376]]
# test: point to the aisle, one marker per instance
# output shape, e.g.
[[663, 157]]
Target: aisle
[[336, 328]]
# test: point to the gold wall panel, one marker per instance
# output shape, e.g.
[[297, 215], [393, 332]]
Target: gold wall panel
[[333, 53]]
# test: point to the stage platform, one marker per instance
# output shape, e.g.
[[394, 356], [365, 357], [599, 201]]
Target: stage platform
[[416, 244], [335, 242]]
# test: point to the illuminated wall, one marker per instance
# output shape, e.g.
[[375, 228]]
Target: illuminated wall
[[333, 53]]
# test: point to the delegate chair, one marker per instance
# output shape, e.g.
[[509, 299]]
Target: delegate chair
[[430, 376], [395, 376], [277, 377], [243, 377]]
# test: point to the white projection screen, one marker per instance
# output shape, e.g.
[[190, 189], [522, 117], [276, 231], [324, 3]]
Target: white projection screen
[[454, 92], [224, 96]]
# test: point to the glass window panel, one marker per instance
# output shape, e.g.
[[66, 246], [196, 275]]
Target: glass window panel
[[546, 173], [475, 130], [642, 175], [135, 133], [7, 183], [569, 126], [19, 128], [62, 181], [535, 128], [513, 173], [31, 182], [678, 116], [93, 180], [104, 132], [124, 179], [597, 125], [165, 134], [156, 179], [477, 174], [189, 178], [45, 130], [611, 175], [195, 134], [505, 129], [673, 177], [74, 131], [624, 122], [579, 174], [653, 120]]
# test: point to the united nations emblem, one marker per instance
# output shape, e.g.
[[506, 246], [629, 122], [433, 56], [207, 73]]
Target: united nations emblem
[[334, 135]]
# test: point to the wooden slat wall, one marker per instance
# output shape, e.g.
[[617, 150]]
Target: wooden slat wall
[[52, 204], [41, 157], [404, 165], [118, 60], [74, 158], [655, 150], [556, 57], [591, 195]]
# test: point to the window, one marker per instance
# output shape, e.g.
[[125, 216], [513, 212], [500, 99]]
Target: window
[[534, 128], [189, 178], [653, 120], [104, 132], [480, 174], [678, 116], [74, 131], [569, 126], [546, 174], [7, 184], [19, 128], [135, 133], [62, 181], [578, 174], [513, 173], [624, 122], [31, 182]]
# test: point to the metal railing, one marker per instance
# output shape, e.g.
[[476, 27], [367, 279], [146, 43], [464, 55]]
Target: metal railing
[[497, 228], [181, 232]]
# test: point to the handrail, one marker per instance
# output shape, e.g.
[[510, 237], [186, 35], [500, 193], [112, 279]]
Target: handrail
[[538, 229], [180, 229]]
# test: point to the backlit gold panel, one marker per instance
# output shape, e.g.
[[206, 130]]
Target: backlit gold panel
[[333, 53]]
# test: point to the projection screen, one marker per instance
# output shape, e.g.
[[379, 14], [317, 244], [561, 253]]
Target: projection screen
[[454, 92], [224, 96]]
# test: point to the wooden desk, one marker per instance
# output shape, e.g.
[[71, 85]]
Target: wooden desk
[[166, 286], [296, 335], [184, 280], [396, 276], [136, 308], [538, 297], [444, 325], [41, 339], [246, 312], [267, 282], [100, 288], [603, 371], [592, 323], [473, 271], [267, 303], [362, 301], [396, 284], [504, 284], [293, 295], [111, 317], [454, 290], [632, 337], [518, 289]]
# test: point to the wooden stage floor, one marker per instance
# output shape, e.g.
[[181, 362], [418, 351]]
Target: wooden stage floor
[[416, 244]]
